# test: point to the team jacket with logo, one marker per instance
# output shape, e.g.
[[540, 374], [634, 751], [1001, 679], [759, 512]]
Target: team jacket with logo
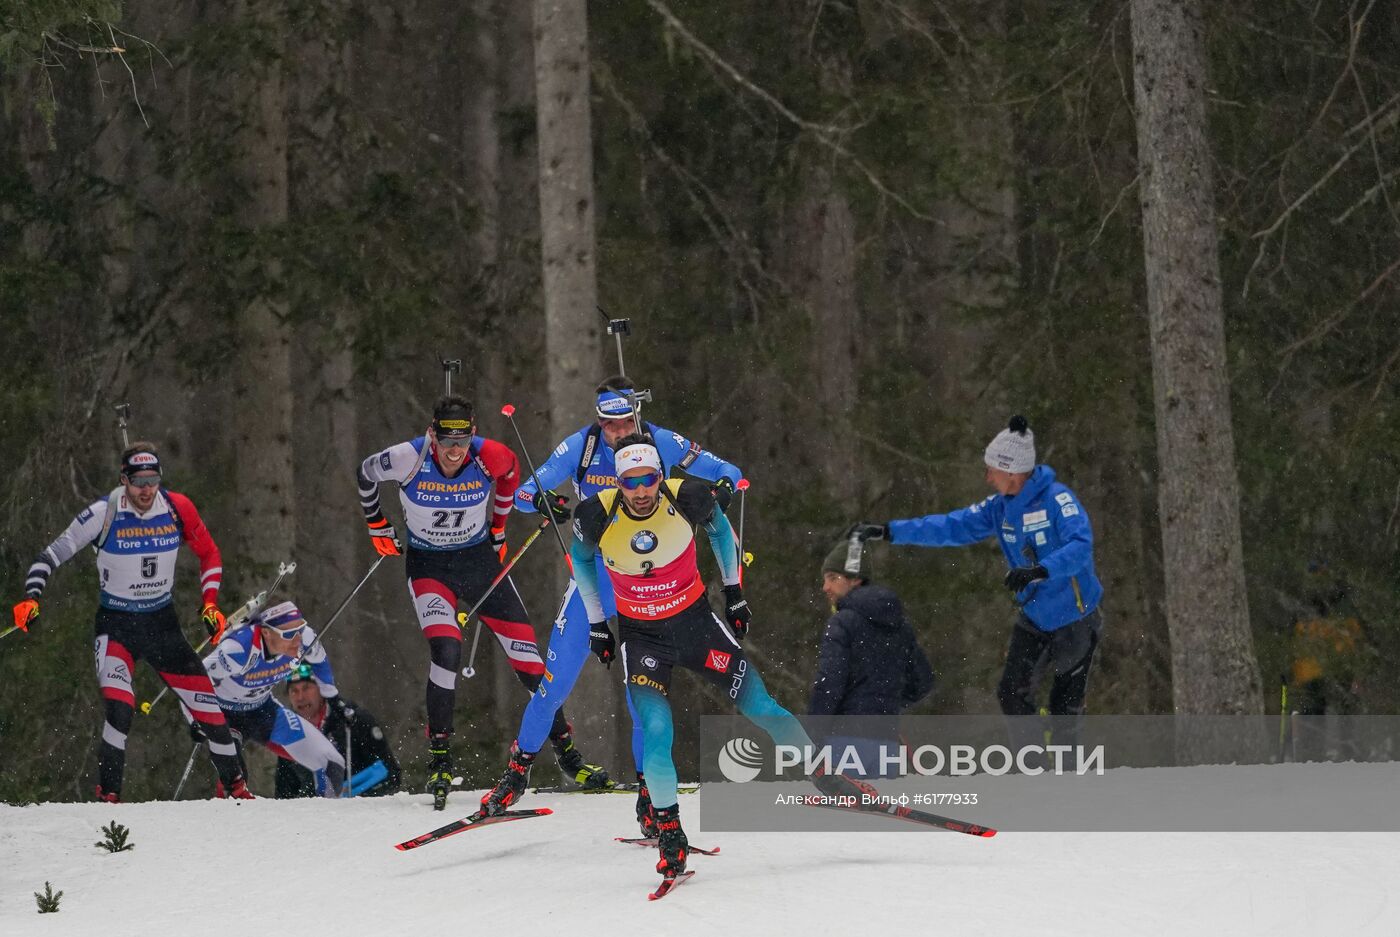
[[244, 675], [1044, 525], [651, 560], [600, 474], [136, 559], [443, 513]]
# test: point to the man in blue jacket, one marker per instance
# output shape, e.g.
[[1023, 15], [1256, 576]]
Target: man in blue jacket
[[1045, 536]]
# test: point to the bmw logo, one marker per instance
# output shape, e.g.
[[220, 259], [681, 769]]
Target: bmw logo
[[644, 541]]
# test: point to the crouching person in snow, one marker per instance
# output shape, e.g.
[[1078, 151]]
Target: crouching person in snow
[[354, 732], [246, 666]]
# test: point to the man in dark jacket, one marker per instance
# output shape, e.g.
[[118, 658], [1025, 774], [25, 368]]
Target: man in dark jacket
[[871, 663], [339, 720]]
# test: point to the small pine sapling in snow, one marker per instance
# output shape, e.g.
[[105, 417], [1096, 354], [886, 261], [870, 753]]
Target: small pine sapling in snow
[[116, 838], [48, 901]]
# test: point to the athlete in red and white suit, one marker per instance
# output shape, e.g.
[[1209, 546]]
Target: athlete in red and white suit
[[456, 545], [137, 531]]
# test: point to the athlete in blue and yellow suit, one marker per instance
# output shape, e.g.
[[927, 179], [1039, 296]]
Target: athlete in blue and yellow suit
[[644, 532], [586, 459]]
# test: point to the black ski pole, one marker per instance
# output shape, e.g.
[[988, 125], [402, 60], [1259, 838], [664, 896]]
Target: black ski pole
[[744, 558], [336, 614], [189, 766], [464, 617], [508, 411], [123, 414]]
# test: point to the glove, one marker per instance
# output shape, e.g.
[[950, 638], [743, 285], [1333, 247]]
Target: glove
[[26, 614], [736, 611], [556, 506], [1022, 576], [864, 531], [214, 622], [197, 734], [601, 642], [723, 490], [498, 542], [385, 537], [338, 704]]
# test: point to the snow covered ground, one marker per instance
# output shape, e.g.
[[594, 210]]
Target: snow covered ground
[[329, 868]]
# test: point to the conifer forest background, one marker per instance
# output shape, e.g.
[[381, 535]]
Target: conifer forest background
[[852, 237]]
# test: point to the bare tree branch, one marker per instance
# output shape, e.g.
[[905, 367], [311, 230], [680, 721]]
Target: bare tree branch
[[1335, 318], [825, 133]]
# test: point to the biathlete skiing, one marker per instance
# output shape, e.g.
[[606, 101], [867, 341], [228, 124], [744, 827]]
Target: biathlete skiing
[[245, 667], [137, 530], [643, 529], [587, 460], [456, 545]]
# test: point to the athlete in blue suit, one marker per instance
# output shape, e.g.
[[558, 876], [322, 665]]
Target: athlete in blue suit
[[585, 459]]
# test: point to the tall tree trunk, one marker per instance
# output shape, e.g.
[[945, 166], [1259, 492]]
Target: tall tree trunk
[[825, 278], [1214, 668], [329, 560], [573, 341], [262, 392]]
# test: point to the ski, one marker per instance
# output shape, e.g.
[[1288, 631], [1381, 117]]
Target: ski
[[471, 822], [910, 815], [669, 885], [622, 787], [650, 842]]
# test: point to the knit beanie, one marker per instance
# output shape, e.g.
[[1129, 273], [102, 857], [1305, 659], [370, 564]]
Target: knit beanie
[[849, 558], [1013, 449]]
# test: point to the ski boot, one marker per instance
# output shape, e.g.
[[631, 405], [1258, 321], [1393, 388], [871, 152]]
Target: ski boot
[[440, 769], [646, 814], [671, 842], [571, 763], [512, 784], [839, 785], [107, 798], [238, 790]]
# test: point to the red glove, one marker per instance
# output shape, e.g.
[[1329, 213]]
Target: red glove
[[214, 622], [26, 613], [385, 538], [498, 540]]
